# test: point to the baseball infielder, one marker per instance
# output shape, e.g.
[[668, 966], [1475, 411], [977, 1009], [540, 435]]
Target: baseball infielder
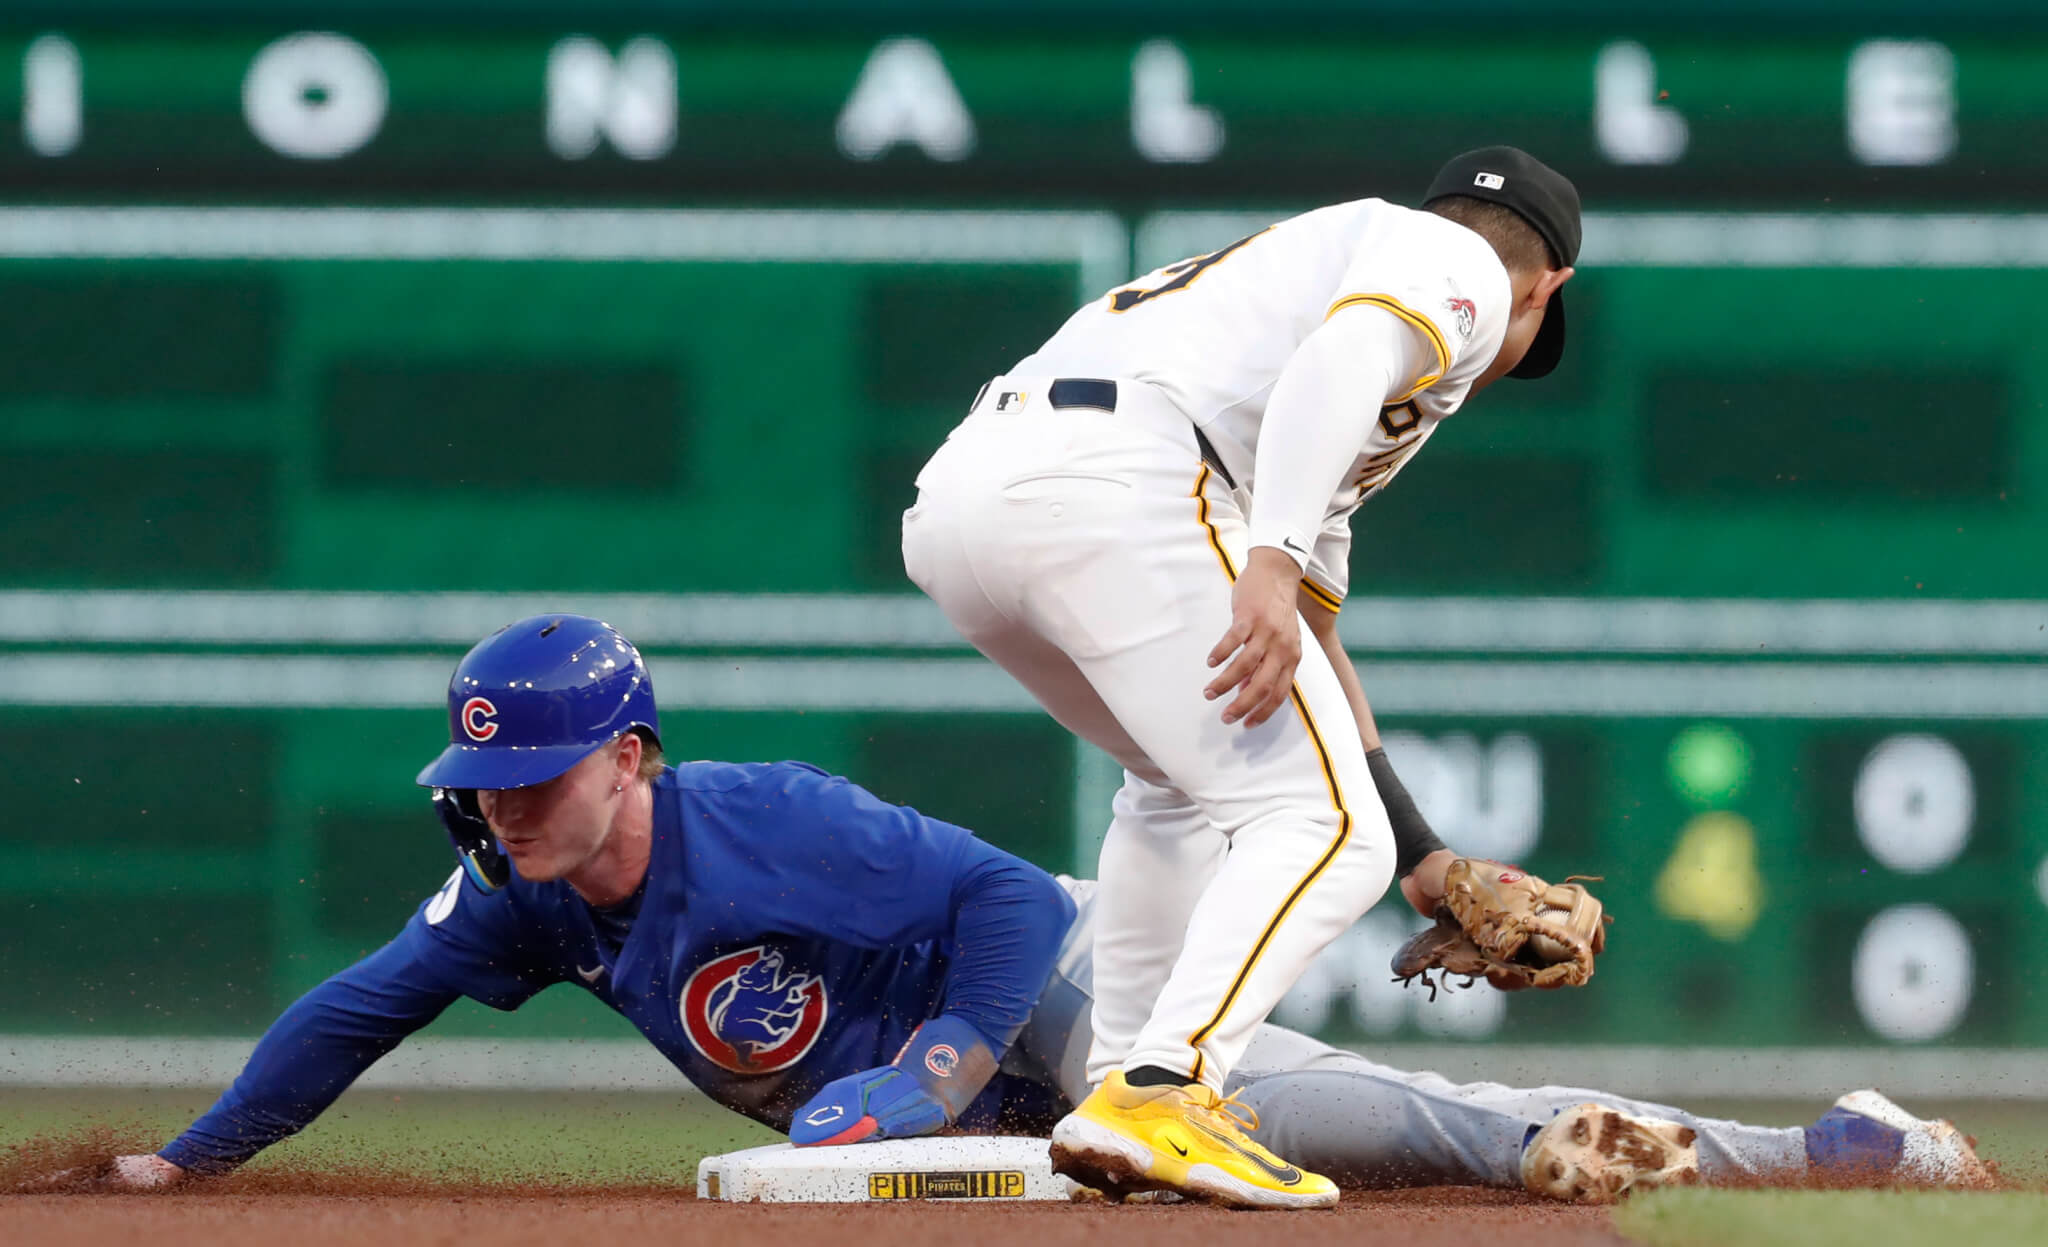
[[1149, 516], [844, 969]]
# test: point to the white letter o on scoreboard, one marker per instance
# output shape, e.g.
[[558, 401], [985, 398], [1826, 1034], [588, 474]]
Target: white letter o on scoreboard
[[1915, 802], [1912, 972], [315, 96]]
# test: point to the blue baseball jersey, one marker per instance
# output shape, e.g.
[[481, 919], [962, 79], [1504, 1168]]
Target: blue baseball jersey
[[792, 929]]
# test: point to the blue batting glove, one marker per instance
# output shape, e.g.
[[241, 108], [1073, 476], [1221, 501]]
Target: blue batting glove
[[883, 1103], [943, 1066]]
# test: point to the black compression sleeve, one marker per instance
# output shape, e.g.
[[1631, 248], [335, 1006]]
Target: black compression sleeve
[[1413, 840]]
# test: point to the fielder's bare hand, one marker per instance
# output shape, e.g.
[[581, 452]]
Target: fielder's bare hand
[[1423, 887], [1265, 637]]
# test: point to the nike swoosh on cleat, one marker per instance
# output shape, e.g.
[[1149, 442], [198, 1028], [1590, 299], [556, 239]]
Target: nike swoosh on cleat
[[1285, 1175], [1176, 1147]]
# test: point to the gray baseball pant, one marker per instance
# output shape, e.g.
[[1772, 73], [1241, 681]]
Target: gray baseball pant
[[1364, 1124]]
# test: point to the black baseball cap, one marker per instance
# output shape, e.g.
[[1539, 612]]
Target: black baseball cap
[[1540, 195]]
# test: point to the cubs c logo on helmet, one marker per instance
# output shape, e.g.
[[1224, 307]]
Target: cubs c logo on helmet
[[749, 1013], [479, 718]]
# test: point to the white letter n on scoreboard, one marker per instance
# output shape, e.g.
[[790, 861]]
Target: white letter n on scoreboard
[[631, 100]]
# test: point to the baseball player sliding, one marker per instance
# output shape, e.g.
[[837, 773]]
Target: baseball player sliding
[[1146, 522], [844, 969]]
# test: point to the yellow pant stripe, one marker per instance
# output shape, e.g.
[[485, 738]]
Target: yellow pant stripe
[[1201, 497], [1337, 844]]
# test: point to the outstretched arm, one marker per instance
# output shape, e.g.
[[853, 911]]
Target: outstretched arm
[[310, 1055], [1008, 920], [907, 878]]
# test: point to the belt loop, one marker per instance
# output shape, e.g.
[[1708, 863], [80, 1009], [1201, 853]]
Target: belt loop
[[1082, 392]]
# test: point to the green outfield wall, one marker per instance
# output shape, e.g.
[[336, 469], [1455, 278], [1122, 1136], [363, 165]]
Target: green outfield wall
[[331, 339], [1735, 610]]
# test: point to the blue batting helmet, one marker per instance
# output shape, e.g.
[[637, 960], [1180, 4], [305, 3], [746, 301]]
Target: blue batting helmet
[[538, 696]]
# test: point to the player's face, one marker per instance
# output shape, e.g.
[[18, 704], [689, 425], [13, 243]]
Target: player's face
[[550, 830]]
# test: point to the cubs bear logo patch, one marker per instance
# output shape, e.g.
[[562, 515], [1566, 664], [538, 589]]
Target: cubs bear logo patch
[[750, 1013]]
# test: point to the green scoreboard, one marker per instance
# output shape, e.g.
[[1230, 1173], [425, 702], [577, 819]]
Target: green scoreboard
[[1123, 113], [326, 351]]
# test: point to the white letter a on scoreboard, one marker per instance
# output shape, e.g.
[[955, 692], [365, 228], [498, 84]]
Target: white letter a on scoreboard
[[905, 95]]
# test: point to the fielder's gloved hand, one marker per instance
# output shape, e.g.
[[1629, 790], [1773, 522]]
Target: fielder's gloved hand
[[941, 1069], [1509, 926]]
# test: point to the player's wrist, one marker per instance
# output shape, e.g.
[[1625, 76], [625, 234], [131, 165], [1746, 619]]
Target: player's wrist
[[951, 1059], [1278, 554], [1414, 841]]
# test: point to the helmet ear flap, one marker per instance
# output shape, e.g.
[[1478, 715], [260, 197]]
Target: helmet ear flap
[[475, 846]]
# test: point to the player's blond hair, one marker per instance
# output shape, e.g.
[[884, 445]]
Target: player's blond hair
[[1515, 241], [650, 757]]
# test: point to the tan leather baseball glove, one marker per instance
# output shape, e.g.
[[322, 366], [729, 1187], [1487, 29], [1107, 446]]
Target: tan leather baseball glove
[[1503, 924]]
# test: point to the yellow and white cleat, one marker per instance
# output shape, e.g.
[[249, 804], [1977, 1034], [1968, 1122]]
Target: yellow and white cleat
[[1124, 1139], [1593, 1154]]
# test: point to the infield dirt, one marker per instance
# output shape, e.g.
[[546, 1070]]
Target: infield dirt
[[268, 1217], [309, 1207]]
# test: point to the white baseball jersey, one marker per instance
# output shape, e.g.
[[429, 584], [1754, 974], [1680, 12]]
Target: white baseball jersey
[[1316, 356], [1092, 556]]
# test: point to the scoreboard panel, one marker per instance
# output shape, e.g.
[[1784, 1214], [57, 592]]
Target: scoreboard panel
[[378, 399], [430, 399], [1028, 114], [330, 338], [257, 400], [1824, 840], [1773, 881]]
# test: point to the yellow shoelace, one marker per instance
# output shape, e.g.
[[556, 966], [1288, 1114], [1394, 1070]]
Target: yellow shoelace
[[1233, 1115]]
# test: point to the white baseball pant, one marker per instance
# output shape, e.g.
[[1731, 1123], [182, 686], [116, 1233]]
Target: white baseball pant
[[1090, 553]]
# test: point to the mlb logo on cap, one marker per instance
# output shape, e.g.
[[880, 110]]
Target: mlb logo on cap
[[1544, 198]]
